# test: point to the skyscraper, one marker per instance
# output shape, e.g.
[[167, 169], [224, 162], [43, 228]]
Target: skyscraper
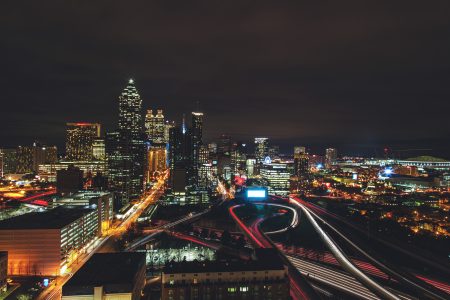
[[330, 157], [167, 126], [301, 159], [80, 140], [28, 158], [126, 147], [155, 127], [277, 176], [196, 142], [224, 146], [205, 167], [238, 157], [8, 161], [98, 148], [261, 148]]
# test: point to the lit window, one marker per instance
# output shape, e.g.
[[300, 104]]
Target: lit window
[[231, 290], [243, 288]]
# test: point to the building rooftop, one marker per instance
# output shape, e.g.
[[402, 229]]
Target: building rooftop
[[426, 158], [266, 259], [116, 272], [51, 219]]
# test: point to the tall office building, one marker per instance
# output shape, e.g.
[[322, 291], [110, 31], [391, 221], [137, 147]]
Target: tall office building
[[261, 151], [179, 147], [126, 147], [212, 148], [179, 157], [205, 167], [156, 162], [224, 146], [196, 142], [28, 158], [80, 140], [98, 149], [238, 157], [167, 126], [301, 162], [277, 176], [330, 157], [274, 151], [8, 161], [155, 127]]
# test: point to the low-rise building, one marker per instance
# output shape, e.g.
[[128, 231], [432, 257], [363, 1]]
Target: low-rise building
[[46, 243], [108, 276], [102, 201], [263, 278]]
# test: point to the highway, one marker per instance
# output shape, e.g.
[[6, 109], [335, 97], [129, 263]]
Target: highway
[[300, 289], [343, 260], [294, 222], [145, 239], [327, 276], [402, 279], [54, 290]]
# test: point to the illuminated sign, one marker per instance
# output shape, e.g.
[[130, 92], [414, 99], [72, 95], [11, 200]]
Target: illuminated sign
[[355, 176], [45, 282], [256, 193], [267, 160]]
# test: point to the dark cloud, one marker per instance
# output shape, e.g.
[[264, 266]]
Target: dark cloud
[[319, 72]]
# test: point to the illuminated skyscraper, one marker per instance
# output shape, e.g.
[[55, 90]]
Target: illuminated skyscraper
[[80, 141], [28, 158], [155, 127], [205, 167], [156, 162], [301, 159], [8, 161], [196, 143], [238, 157], [224, 146], [167, 126], [274, 151], [261, 149], [98, 148], [126, 147], [277, 176], [330, 157]]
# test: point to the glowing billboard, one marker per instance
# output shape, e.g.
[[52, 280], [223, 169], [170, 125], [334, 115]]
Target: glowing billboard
[[256, 193]]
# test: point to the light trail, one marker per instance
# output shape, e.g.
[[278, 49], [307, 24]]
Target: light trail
[[343, 260], [328, 258], [54, 290], [36, 196], [330, 277], [295, 288], [382, 266], [294, 221], [161, 228], [243, 227]]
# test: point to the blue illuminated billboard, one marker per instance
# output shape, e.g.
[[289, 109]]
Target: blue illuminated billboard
[[256, 193]]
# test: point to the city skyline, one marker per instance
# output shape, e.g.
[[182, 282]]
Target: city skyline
[[397, 147], [362, 77]]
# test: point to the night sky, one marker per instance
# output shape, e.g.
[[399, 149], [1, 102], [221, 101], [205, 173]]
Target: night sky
[[357, 75]]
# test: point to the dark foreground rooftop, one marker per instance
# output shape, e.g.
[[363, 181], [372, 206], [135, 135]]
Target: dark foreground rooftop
[[50, 219], [266, 259], [116, 272]]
